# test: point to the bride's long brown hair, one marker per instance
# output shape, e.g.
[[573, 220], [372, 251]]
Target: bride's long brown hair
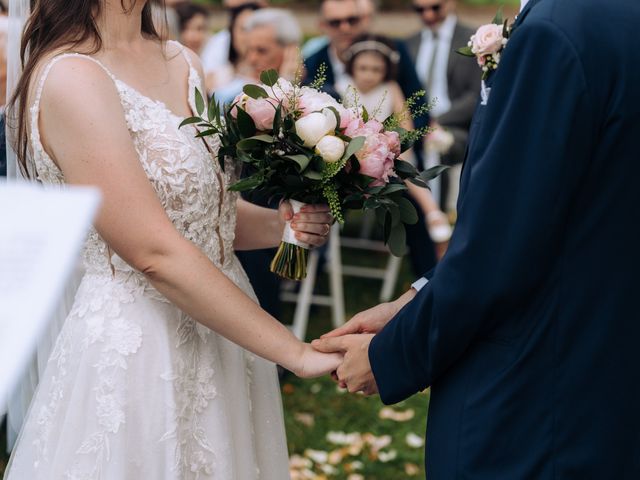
[[59, 25]]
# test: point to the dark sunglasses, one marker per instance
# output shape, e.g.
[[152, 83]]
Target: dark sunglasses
[[434, 8], [337, 22]]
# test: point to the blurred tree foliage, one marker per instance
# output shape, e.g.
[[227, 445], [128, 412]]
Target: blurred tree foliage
[[384, 4]]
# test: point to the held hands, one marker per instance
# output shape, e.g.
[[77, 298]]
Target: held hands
[[353, 339], [313, 363], [312, 225]]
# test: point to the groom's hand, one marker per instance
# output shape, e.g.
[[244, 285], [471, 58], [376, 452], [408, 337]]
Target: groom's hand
[[374, 319], [355, 372]]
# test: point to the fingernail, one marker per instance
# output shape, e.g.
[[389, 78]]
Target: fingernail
[[288, 216]]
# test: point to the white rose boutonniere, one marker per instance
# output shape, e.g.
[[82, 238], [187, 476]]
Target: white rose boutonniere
[[487, 44]]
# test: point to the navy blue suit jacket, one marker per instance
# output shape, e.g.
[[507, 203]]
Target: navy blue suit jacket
[[529, 329]]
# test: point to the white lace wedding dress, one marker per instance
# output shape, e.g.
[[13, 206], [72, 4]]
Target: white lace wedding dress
[[135, 389]]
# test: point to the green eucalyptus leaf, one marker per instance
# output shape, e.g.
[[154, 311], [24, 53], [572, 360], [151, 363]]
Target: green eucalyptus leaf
[[189, 121], [313, 175], [401, 166], [354, 145], [431, 173], [397, 240], [499, 18], [408, 212], [365, 114], [394, 187], [249, 183], [302, 161], [255, 91], [245, 123], [199, 102], [269, 77], [207, 133], [466, 51]]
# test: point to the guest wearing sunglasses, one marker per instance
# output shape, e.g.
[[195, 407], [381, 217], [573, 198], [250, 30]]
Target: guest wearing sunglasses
[[451, 79], [342, 21]]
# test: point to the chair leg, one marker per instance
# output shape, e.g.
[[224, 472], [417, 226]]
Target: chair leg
[[335, 277], [390, 277], [301, 315]]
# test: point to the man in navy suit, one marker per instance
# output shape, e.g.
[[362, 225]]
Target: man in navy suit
[[529, 328]]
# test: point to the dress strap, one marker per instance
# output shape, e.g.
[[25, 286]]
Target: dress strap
[[194, 79], [42, 162], [49, 66]]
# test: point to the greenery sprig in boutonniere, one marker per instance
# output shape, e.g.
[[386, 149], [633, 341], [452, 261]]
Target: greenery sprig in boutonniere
[[488, 43]]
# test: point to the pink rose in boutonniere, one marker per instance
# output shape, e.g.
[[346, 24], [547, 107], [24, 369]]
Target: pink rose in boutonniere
[[487, 44]]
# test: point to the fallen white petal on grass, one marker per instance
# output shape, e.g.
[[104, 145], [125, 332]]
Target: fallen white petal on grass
[[414, 441], [298, 462], [355, 476], [342, 438], [318, 456], [315, 388], [388, 413], [385, 457], [411, 469], [305, 418]]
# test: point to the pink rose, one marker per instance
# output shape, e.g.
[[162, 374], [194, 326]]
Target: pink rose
[[262, 111], [488, 40], [376, 159]]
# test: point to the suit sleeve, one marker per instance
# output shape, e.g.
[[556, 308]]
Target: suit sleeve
[[534, 145]]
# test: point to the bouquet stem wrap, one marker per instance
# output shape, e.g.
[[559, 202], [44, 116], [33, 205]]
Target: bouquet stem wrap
[[290, 260]]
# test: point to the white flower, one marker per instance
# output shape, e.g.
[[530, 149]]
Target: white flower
[[316, 125], [330, 148], [385, 457]]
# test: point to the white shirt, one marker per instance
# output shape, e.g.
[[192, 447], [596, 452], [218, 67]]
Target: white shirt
[[339, 68], [439, 88], [216, 51], [523, 3]]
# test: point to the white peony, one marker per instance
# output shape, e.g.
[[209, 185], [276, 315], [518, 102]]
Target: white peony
[[314, 126], [330, 148]]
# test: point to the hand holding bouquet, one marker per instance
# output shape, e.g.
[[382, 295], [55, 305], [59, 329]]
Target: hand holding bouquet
[[300, 144]]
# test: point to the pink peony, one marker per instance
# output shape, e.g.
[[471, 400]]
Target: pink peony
[[262, 111], [393, 139], [376, 158], [488, 40]]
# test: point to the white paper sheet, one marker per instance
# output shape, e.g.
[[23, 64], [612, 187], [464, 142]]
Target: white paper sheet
[[41, 235]]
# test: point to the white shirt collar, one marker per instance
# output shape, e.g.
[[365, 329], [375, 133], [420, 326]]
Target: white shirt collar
[[445, 32], [523, 3]]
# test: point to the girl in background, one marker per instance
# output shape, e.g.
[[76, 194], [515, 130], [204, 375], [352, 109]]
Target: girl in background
[[372, 68]]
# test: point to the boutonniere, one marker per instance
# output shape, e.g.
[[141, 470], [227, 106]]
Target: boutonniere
[[488, 43]]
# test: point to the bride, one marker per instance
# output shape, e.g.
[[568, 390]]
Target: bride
[[152, 375]]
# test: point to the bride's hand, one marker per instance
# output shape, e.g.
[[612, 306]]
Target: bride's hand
[[312, 363], [312, 225]]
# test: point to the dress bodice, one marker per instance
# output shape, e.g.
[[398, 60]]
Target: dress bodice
[[183, 170]]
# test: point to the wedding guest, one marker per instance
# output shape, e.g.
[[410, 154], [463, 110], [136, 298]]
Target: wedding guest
[[223, 52], [367, 10], [451, 80], [272, 39], [372, 62], [193, 22], [343, 21]]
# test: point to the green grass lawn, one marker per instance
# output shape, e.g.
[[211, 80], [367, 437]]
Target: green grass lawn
[[335, 435]]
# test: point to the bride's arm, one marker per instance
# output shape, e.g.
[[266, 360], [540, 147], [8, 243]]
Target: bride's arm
[[88, 137], [259, 227]]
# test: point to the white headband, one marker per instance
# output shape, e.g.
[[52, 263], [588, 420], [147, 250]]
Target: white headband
[[372, 45]]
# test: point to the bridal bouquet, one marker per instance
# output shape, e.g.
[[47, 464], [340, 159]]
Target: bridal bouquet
[[300, 144]]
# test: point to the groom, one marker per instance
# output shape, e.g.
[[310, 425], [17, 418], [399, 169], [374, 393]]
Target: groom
[[528, 331]]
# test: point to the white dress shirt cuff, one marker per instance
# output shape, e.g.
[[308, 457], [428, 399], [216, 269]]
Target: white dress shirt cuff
[[419, 284]]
